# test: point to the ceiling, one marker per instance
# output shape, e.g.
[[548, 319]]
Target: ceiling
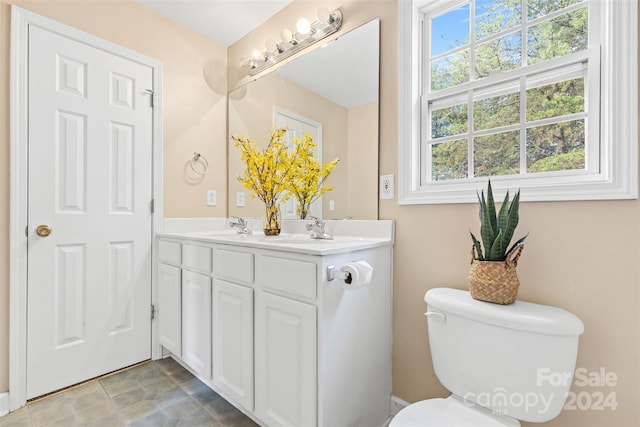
[[223, 21]]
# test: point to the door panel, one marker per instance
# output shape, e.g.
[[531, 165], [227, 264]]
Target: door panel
[[196, 322], [233, 341], [285, 352], [90, 180]]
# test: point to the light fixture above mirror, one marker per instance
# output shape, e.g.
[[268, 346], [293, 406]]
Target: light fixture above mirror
[[307, 33]]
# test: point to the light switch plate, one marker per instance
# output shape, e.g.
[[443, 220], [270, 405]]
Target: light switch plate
[[211, 197], [239, 198]]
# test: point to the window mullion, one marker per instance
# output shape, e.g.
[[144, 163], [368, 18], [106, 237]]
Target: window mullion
[[523, 123], [470, 130]]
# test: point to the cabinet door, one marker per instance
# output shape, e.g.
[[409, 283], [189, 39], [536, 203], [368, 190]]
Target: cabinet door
[[169, 308], [233, 341], [196, 322], [285, 361]]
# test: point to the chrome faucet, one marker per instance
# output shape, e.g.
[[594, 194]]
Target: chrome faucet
[[241, 225], [317, 229]]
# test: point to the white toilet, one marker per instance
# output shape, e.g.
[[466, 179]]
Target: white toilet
[[502, 363]]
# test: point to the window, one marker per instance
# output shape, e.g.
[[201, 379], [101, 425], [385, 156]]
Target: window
[[536, 94]]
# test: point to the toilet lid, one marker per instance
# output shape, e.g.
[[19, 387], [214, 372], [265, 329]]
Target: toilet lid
[[447, 412]]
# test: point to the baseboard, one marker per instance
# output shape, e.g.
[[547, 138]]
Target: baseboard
[[4, 403], [397, 405]]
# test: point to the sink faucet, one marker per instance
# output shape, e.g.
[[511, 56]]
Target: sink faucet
[[241, 225], [317, 229]]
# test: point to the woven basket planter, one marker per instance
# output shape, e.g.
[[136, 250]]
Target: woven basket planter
[[495, 281]]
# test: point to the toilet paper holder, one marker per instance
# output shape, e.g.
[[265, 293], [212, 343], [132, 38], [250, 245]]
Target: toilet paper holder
[[333, 273]]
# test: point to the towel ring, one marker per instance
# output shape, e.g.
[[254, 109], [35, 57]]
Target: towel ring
[[199, 159]]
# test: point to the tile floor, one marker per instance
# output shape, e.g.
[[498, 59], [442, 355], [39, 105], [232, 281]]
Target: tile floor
[[154, 394]]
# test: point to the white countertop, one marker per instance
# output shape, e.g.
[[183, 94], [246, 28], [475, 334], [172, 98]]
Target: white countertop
[[348, 236]]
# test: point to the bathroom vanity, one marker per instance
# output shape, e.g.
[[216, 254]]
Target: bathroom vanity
[[264, 323]]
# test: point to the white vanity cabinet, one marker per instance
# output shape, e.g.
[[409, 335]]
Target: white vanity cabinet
[[233, 322], [286, 337], [170, 301], [169, 280], [184, 303], [268, 330], [285, 361], [196, 322]]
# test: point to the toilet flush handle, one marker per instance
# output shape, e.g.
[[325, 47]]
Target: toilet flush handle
[[435, 314]]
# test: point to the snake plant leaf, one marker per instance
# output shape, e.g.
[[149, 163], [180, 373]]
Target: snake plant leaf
[[503, 215], [489, 224], [497, 249], [512, 221], [491, 208], [478, 247], [518, 242]]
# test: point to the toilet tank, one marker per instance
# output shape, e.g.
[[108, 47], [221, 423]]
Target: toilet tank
[[516, 360]]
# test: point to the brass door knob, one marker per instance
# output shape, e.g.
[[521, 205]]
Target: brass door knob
[[43, 230]]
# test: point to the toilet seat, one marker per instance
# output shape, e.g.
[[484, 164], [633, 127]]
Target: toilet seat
[[448, 412]]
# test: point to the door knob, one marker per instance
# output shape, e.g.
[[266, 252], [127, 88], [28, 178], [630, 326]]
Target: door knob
[[43, 230]]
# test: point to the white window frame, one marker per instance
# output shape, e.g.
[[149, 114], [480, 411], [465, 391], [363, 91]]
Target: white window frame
[[617, 177]]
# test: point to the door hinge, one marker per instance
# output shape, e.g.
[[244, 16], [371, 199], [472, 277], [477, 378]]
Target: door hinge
[[152, 96], [153, 311], [152, 206], [26, 231]]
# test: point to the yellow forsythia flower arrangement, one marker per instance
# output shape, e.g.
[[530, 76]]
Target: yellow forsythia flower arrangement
[[275, 174], [309, 175], [267, 174]]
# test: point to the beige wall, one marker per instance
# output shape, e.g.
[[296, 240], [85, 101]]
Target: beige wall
[[362, 162], [251, 116], [194, 97]]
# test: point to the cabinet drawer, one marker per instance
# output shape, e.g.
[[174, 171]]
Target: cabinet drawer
[[196, 257], [234, 265], [293, 277], [169, 252]]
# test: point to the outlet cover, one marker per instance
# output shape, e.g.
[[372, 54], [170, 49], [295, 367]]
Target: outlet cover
[[386, 186], [211, 197], [240, 199]]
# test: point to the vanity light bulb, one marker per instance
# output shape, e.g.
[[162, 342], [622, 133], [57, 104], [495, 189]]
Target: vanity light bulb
[[323, 15], [286, 35], [303, 26], [256, 54], [271, 45]]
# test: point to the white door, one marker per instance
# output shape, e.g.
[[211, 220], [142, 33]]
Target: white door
[[296, 126], [90, 180]]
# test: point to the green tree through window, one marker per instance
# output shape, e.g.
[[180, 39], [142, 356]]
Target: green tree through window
[[492, 104]]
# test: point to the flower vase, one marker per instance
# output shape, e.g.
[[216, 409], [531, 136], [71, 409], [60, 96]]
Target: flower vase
[[272, 219], [303, 211]]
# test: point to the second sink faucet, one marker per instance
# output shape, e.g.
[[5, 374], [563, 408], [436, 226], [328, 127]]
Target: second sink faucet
[[240, 224], [317, 229]]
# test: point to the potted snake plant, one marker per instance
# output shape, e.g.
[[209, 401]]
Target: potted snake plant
[[492, 276]]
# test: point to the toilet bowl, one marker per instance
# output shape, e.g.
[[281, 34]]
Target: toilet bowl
[[496, 361]]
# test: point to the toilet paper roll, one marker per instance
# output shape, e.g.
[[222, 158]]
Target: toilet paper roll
[[359, 274]]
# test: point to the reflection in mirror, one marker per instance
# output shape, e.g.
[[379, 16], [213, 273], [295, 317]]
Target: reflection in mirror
[[332, 93]]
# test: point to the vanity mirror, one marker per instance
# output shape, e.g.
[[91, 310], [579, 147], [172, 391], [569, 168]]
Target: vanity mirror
[[332, 93]]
